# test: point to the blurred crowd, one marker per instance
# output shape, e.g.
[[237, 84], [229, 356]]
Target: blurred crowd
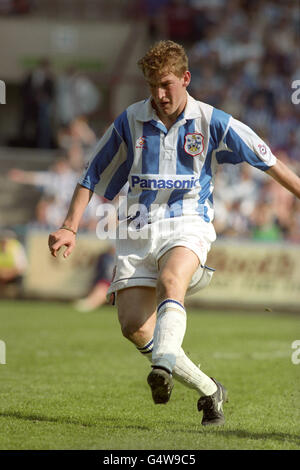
[[54, 110], [244, 56], [13, 264], [56, 186], [243, 59], [54, 114]]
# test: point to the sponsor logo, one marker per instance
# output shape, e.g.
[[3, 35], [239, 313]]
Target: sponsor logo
[[164, 183], [194, 143], [140, 143]]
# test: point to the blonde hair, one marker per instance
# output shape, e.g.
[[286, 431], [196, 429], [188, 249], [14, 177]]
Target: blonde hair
[[164, 56]]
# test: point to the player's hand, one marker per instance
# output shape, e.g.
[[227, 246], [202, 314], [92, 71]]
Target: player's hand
[[61, 238]]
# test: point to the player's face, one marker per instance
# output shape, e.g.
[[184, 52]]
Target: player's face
[[169, 93]]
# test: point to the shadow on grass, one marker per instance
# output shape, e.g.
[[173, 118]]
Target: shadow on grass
[[42, 418], [239, 433], [65, 420], [114, 423], [242, 434]]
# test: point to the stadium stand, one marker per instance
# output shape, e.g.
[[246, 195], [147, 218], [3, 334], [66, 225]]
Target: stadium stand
[[17, 206], [244, 58]]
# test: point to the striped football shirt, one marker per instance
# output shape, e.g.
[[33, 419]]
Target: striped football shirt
[[171, 172]]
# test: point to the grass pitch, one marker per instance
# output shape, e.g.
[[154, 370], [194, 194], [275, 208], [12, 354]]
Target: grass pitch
[[72, 381]]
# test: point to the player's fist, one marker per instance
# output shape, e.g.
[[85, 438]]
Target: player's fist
[[61, 238]]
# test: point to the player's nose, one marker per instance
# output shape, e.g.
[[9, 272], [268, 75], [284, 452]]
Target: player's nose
[[161, 93]]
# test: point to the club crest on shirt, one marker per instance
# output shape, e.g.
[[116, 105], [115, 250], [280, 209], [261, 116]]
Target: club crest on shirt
[[194, 143]]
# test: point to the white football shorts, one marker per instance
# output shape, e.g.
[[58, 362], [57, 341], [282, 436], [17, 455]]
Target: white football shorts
[[138, 252]]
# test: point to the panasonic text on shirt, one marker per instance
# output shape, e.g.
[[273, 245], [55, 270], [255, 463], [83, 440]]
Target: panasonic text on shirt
[[146, 182]]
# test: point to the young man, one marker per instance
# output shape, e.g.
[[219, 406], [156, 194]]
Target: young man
[[168, 148]]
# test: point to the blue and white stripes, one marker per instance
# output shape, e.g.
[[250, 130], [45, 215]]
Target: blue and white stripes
[[138, 147], [169, 303], [147, 349]]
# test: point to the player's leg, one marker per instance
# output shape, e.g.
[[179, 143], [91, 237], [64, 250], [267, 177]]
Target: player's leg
[[176, 268], [136, 306], [137, 316], [136, 312]]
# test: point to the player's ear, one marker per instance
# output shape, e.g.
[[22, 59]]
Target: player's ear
[[186, 78]]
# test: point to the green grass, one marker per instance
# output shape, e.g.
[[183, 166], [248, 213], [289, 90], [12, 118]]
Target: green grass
[[73, 382]]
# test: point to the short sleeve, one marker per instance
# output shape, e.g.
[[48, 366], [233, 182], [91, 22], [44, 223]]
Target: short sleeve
[[241, 144], [106, 171]]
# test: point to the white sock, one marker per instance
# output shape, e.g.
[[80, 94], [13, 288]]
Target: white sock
[[168, 333], [185, 371]]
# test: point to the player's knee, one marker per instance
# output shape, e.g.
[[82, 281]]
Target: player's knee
[[127, 330], [134, 332], [168, 285]]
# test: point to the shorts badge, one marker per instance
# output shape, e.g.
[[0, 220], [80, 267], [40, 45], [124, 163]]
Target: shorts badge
[[194, 143]]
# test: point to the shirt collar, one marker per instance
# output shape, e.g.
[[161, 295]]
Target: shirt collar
[[192, 109], [147, 113]]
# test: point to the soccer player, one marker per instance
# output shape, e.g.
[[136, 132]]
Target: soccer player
[[168, 148]]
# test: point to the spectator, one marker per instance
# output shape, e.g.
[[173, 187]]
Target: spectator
[[37, 106], [151, 11], [177, 21], [283, 124], [100, 284], [244, 62], [292, 234], [76, 139], [13, 264], [76, 96], [278, 198], [265, 226], [59, 181], [56, 185], [15, 7]]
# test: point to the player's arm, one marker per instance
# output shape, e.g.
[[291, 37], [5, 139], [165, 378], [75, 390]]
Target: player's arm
[[110, 151], [67, 236], [246, 145], [286, 177]]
